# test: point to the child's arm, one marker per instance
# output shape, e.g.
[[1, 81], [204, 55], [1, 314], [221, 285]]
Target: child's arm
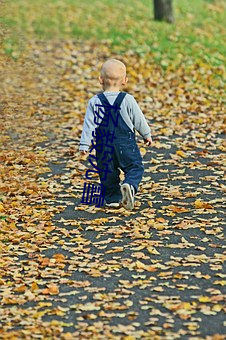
[[88, 127], [140, 123]]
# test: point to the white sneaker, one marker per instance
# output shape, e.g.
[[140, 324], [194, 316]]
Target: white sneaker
[[128, 193], [113, 205]]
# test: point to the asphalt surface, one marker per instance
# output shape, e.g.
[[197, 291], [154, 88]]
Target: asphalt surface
[[156, 272], [181, 294]]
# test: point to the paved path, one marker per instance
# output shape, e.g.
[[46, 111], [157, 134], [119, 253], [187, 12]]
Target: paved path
[[91, 273]]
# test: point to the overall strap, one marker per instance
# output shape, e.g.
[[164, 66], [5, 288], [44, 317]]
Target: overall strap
[[115, 112], [103, 99], [118, 100]]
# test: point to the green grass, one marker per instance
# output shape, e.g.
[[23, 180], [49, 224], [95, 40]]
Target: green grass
[[198, 31]]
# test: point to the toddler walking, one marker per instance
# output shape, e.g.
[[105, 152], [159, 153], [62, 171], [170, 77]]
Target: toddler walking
[[120, 130]]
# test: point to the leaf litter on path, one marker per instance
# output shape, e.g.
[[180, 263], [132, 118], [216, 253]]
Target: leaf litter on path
[[70, 270]]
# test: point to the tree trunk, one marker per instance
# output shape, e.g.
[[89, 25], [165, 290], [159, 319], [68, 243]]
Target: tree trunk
[[163, 10]]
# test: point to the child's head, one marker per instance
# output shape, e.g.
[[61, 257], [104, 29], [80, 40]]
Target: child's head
[[113, 75]]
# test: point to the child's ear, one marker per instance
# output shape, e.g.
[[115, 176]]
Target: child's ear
[[125, 81], [101, 80]]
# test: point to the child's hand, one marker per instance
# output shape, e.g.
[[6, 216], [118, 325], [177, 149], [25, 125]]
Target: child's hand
[[148, 141], [83, 152]]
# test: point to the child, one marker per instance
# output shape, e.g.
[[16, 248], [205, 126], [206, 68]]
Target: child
[[126, 155]]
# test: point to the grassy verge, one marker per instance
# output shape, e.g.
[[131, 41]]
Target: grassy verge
[[197, 33]]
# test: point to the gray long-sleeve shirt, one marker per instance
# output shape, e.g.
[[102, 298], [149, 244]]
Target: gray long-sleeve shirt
[[130, 112]]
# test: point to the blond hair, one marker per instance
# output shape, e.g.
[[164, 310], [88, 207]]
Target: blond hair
[[113, 71]]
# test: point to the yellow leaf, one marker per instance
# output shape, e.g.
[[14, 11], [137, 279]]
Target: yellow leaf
[[222, 282], [204, 299], [187, 305], [100, 221], [160, 227], [34, 286], [181, 154], [155, 161], [140, 265], [20, 289], [55, 323], [143, 151], [1, 208], [158, 289], [53, 289], [59, 257], [67, 336], [193, 326], [199, 204], [217, 308], [44, 304], [115, 250], [153, 251], [78, 239]]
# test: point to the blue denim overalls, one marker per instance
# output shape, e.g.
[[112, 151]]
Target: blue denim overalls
[[126, 155]]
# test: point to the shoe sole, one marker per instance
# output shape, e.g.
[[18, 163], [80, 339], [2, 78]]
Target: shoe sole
[[112, 205], [127, 196]]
